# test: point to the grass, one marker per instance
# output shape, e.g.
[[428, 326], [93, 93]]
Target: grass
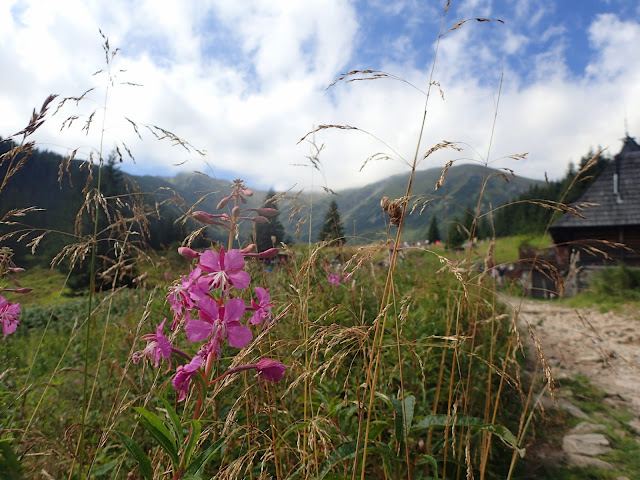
[[407, 368]]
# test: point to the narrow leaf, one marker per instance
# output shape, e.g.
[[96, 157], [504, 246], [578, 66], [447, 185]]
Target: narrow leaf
[[194, 436], [175, 420], [156, 427], [144, 464], [201, 460]]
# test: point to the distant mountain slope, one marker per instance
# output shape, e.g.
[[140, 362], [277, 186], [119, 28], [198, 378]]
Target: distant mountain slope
[[37, 185], [360, 207]]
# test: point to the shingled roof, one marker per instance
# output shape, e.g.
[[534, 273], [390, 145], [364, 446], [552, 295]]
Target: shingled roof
[[616, 191]]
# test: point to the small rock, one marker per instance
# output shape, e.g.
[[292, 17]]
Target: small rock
[[589, 444], [635, 425], [577, 460], [572, 409], [586, 427]]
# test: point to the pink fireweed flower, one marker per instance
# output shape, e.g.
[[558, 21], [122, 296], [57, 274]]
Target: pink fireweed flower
[[262, 307], [9, 316], [270, 370], [221, 322], [225, 269], [181, 296], [183, 376], [157, 348], [334, 279]]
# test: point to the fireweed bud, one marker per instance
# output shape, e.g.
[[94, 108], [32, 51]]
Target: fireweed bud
[[260, 219], [269, 253], [235, 212], [267, 212], [223, 203], [204, 217], [247, 192], [186, 252], [252, 248]]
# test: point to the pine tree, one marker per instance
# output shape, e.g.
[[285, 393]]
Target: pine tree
[[455, 237], [332, 228], [270, 234], [433, 234]]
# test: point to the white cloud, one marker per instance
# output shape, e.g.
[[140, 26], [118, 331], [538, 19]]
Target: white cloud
[[263, 89]]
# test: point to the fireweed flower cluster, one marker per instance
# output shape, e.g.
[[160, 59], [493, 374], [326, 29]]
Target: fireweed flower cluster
[[208, 305], [9, 312], [335, 279]]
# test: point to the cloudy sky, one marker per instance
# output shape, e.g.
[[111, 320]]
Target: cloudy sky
[[245, 80]]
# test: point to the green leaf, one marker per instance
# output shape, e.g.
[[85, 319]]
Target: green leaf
[[403, 417], [194, 436], [345, 451], [175, 419], [424, 458], [144, 463], [442, 420], [156, 427], [201, 460], [10, 467]]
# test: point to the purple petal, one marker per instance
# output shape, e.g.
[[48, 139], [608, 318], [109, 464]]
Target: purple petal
[[271, 370], [238, 335], [234, 309], [183, 376], [263, 296], [233, 260], [210, 261], [239, 280], [208, 309], [198, 331], [164, 345]]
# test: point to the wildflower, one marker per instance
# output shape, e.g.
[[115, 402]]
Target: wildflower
[[226, 269], [158, 347], [9, 316], [183, 376], [270, 370], [262, 307], [334, 279], [221, 322], [181, 296]]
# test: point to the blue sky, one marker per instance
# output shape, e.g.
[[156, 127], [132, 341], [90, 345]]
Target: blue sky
[[246, 80]]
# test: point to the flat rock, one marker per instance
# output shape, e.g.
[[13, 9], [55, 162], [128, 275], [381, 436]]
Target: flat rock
[[590, 462], [586, 444], [572, 409], [586, 427]]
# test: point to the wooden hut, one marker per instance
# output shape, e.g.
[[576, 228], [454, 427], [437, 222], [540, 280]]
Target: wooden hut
[[614, 217]]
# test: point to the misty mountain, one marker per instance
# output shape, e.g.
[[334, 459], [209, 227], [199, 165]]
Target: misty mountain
[[58, 192]]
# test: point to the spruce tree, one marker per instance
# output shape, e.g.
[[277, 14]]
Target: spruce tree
[[455, 236], [332, 228], [433, 234], [270, 234]]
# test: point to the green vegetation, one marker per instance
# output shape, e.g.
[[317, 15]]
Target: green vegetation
[[613, 288], [332, 228]]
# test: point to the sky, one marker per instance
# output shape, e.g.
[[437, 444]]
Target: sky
[[243, 82]]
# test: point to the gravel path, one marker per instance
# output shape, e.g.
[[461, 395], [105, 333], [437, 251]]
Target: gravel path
[[605, 347]]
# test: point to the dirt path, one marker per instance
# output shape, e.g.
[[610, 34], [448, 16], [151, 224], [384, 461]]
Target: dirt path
[[605, 347]]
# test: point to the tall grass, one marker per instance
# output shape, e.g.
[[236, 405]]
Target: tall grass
[[405, 369]]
